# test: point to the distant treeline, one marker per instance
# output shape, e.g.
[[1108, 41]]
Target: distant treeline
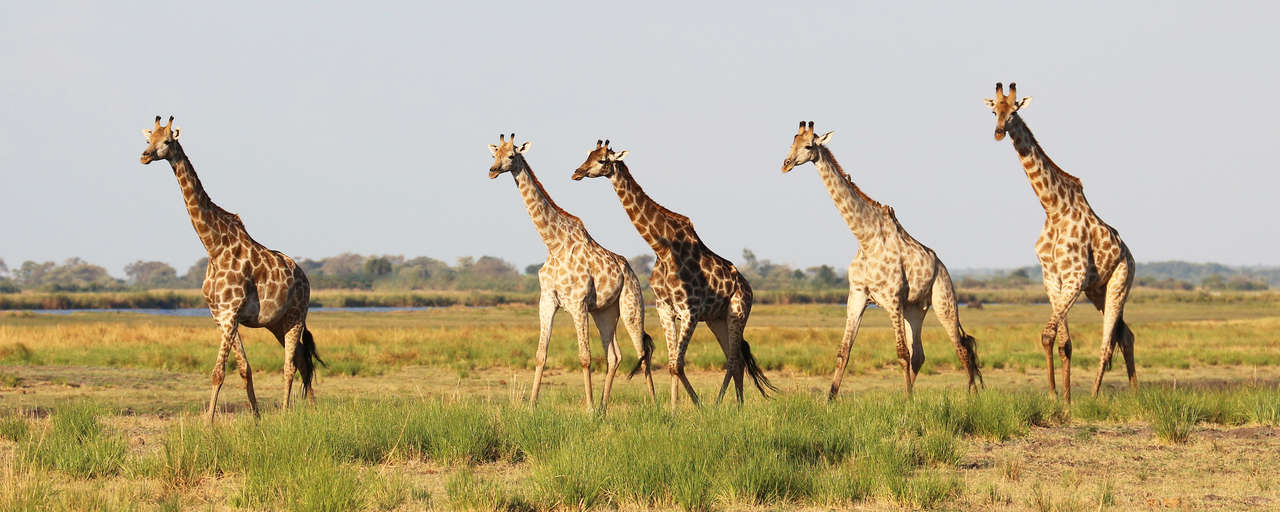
[[393, 273], [1168, 275]]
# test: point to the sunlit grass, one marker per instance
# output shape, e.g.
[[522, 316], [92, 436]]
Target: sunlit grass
[[800, 339], [796, 449]]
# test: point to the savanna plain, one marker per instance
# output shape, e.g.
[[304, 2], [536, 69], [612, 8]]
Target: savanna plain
[[428, 410]]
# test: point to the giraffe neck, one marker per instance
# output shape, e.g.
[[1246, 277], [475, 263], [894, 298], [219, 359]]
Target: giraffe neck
[[548, 218], [860, 212], [1056, 189], [206, 217], [653, 222]]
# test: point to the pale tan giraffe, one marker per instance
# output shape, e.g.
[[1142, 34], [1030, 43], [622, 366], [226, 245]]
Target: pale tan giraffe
[[891, 268], [580, 276], [691, 284], [246, 283], [1077, 250]]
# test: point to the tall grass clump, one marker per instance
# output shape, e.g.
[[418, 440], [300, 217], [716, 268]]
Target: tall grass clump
[[318, 458], [791, 451], [14, 428], [795, 449], [75, 442], [1173, 413]]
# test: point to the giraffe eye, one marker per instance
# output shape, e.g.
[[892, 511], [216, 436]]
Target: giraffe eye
[[809, 146]]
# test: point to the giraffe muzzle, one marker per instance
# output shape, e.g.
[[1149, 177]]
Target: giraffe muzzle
[[578, 175], [999, 134], [494, 173], [787, 165], [147, 157]]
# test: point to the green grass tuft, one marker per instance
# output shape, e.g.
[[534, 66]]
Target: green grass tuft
[[76, 443]]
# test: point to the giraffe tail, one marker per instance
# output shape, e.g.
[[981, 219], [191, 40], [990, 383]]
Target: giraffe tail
[[971, 348], [1118, 335], [646, 356], [753, 369], [305, 359]]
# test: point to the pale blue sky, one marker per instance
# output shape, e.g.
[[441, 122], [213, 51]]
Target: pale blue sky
[[337, 127]]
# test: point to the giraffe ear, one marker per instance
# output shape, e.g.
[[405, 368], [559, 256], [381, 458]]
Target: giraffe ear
[[1024, 102], [493, 149], [990, 102], [147, 133], [524, 147], [822, 141], [174, 132], [617, 157]]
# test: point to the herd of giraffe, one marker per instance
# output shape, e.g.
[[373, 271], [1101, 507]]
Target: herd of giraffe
[[251, 285]]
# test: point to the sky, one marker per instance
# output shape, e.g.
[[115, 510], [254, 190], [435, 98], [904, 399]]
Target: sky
[[337, 127]]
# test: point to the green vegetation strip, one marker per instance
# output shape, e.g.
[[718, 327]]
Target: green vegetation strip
[[795, 449]]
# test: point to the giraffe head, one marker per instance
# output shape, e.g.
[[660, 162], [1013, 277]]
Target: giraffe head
[[160, 141], [601, 161], [804, 147], [506, 155], [1005, 106]]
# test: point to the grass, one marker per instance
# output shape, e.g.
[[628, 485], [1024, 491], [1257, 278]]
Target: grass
[[336, 298], [76, 443], [794, 338], [796, 449], [417, 410]]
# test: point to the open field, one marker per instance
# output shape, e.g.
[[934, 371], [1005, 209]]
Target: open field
[[425, 410], [335, 298]]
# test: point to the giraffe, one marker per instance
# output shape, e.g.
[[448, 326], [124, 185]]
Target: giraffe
[[1076, 249], [246, 283], [580, 276], [691, 283], [891, 268]]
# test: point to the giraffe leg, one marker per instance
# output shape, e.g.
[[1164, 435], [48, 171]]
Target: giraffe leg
[[631, 309], [739, 312], [732, 356], [607, 323], [684, 332], [857, 305], [579, 314], [913, 320], [229, 333], [246, 373], [667, 317], [547, 307], [1114, 330], [1064, 355], [1061, 299], [944, 308], [894, 308], [291, 338]]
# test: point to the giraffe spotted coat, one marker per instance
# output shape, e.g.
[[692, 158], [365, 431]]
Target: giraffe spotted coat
[[891, 268], [245, 282], [580, 276], [691, 283], [1076, 249]]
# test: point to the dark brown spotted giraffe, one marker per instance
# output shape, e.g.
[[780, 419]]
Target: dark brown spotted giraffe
[[245, 283], [891, 268], [691, 284], [580, 276], [1077, 250]]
